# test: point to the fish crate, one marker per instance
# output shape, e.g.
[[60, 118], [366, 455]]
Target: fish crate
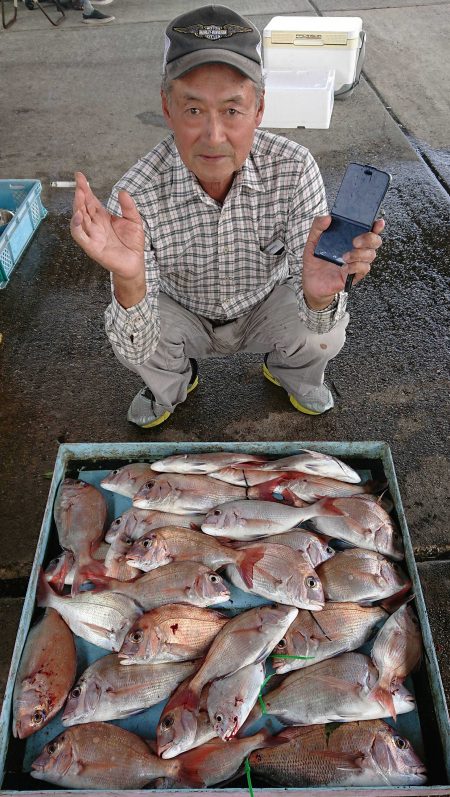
[[22, 197], [427, 727]]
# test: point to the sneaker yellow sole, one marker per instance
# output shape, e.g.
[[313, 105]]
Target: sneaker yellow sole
[[167, 414], [293, 401]]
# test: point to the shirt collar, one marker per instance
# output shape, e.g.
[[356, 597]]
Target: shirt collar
[[185, 184]]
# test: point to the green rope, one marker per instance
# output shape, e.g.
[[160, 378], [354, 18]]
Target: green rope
[[249, 779], [286, 656]]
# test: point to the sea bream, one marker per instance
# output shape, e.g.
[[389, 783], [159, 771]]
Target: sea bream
[[361, 521], [100, 755], [249, 520], [135, 522], [297, 488], [174, 544], [102, 619], [107, 691], [80, 515], [205, 462], [281, 575], [334, 690], [128, 479], [178, 582], [231, 699], [171, 633], [247, 638], [306, 461], [45, 675], [341, 627], [368, 753], [396, 651], [315, 549], [218, 761], [184, 494], [361, 576]]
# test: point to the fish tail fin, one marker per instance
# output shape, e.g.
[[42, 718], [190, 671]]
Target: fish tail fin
[[44, 591], [393, 602], [326, 507], [99, 582], [245, 561], [87, 571], [58, 569], [266, 738], [383, 696]]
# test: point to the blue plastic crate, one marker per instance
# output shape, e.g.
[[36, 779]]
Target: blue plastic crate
[[22, 197], [90, 462]]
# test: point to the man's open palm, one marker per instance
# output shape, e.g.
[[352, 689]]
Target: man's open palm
[[116, 243]]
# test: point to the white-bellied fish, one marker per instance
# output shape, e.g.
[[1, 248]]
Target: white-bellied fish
[[184, 494], [107, 691], [231, 699], [128, 479], [205, 462], [249, 520], [178, 582], [306, 461], [135, 522], [102, 619]]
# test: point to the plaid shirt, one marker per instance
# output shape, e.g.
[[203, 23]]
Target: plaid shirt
[[211, 258]]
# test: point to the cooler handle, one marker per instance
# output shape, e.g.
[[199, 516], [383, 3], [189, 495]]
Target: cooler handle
[[359, 64]]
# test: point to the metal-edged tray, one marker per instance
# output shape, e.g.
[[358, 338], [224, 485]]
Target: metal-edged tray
[[428, 727]]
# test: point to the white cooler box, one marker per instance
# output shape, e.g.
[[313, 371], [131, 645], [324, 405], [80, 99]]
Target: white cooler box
[[316, 43], [298, 98]]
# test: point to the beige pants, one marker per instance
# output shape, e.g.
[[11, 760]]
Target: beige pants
[[297, 356]]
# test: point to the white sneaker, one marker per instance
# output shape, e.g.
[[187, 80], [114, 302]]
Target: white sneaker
[[101, 2], [313, 402]]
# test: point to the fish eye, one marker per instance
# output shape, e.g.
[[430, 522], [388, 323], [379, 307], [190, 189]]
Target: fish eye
[[167, 722], [401, 743], [114, 473], [117, 521], [329, 549], [127, 541], [38, 717], [76, 691], [52, 747], [136, 636], [150, 483], [282, 643], [311, 582], [217, 512], [147, 543], [219, 717], [214, 578]]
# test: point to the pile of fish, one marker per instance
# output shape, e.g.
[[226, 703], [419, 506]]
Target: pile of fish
[[322, 554]]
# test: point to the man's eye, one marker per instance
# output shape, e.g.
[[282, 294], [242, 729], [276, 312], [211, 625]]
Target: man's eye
[[232, 111], [193, 111]]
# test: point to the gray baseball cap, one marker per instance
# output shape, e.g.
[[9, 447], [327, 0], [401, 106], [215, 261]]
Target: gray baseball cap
[[212, 35]]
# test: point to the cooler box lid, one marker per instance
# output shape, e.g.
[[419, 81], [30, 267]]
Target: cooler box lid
[[301, 31]]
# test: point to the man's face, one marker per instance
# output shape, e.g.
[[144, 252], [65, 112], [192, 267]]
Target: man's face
[[213, 114]]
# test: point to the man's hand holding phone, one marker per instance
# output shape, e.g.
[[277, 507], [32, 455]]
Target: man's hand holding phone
[[322, 279]]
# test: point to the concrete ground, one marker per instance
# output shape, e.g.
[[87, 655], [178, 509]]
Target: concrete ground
[[81, 98]]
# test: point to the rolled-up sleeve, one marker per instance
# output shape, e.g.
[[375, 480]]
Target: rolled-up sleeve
[[135, 331]]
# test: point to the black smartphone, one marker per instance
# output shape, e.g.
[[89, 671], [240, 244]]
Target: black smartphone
[[354, 211]]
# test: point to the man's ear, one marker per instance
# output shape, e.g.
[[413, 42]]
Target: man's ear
[[166, 108], [260, 111]]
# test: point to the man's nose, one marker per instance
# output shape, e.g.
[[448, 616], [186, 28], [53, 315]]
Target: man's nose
[[214, 129]]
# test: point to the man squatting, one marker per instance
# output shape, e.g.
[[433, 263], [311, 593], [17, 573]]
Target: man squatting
[[210, 237]]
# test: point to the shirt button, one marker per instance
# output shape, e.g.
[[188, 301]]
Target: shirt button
[[226, 250]]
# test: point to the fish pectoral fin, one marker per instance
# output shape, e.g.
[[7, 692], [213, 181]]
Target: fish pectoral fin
[[345, 761], [335, 683], [98, 629]]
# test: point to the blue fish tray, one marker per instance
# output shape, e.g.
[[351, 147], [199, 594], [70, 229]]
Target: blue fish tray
[[23, 198], [428, 727]]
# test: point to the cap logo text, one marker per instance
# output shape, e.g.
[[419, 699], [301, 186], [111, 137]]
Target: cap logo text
[[213, 32]]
